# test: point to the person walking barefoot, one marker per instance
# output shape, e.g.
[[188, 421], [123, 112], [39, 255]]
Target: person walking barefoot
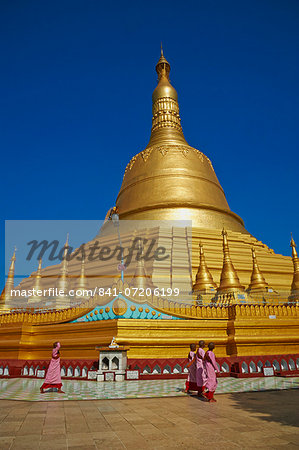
[[211, 370], [53, 377], [191, 380], [200, 369]]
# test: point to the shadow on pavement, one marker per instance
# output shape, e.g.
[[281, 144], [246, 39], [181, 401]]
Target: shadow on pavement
[[276, 406]]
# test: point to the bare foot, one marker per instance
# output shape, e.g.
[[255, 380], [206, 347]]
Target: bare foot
[[213, 400], [41, 391]]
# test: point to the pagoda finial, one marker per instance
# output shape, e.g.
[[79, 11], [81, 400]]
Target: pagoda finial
[[229, 280], [166, 123], [204, 281], [224, 235], [257, 282], [163, 69], [293, 245], [295, 283]]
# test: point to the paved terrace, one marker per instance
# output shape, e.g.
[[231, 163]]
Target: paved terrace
[[238, 420]]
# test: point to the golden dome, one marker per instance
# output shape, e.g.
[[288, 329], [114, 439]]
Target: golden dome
[[170, 180]]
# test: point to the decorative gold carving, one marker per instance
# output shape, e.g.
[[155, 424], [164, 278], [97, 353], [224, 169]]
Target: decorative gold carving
[[185, 151], [163, 150], [202, 157], [131, 163], [107, 309], [119, 307], [145, 154], [166, 114], [133, 308]]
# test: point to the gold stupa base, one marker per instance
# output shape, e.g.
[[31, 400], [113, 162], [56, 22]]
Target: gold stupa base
[[243, 330]]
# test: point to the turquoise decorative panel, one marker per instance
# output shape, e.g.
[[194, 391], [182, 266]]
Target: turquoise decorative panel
[[122, 308]]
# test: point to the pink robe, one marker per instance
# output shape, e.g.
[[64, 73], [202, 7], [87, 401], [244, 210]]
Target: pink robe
[[201, 377], [53, 377], [192, 370], [211, 367]]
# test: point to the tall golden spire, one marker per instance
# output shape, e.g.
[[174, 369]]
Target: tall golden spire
[[229, 280], [38, 275], [204, 280], [166, 124], [81, 283], [295, 283], [9, 285], [37, 283], [257, 282], [62, 282]]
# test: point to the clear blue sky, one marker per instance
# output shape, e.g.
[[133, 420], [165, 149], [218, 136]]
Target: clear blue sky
[[76, 81]]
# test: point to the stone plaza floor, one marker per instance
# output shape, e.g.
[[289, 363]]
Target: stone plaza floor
[[250, 420], [28, 389]]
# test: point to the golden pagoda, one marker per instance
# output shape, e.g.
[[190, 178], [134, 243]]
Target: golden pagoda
[[37, 284], [229, 280], [9, 285], [81, 284], [168, 182], [295, 282], [204, 282], [140, 279], [257, 282], [171, 193]]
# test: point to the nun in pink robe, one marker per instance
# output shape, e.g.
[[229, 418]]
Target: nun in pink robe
[[191, 380], [211, 370], [53, 377], [200, 368]]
